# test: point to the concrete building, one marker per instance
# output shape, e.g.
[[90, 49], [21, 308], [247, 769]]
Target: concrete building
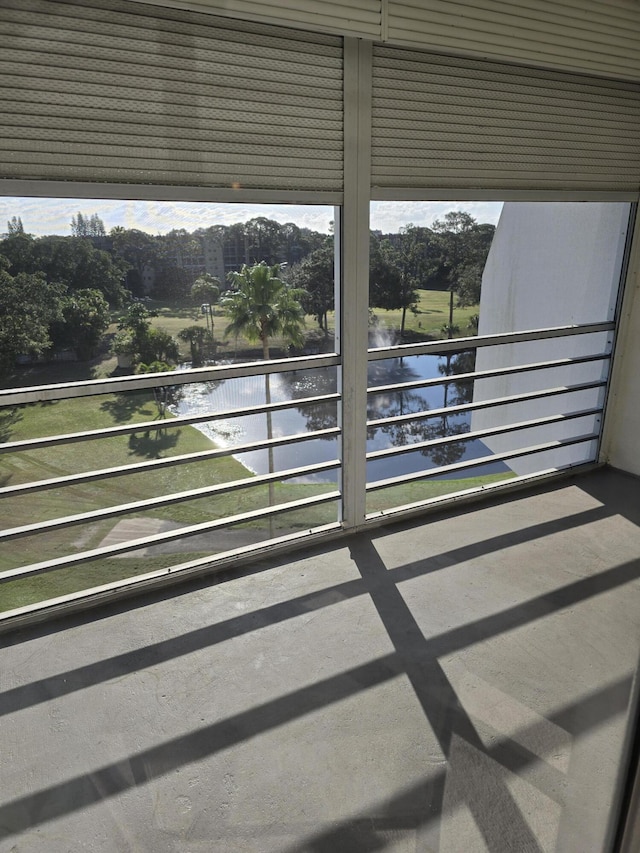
[[550, 264]]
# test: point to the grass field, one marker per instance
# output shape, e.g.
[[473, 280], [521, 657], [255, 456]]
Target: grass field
[[433, 313], [426, 324], [88, 413]]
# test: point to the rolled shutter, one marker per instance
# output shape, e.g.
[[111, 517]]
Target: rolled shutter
[[461, 123], [360, 18], [127, 92], [592, 36]]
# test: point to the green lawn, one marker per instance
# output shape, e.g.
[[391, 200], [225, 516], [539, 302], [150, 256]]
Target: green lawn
[[432, 314], [87, 413]]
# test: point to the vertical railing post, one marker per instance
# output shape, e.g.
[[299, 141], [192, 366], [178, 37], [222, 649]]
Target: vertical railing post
[[354, 300]]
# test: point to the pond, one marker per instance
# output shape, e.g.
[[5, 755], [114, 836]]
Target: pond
[[294, 385]]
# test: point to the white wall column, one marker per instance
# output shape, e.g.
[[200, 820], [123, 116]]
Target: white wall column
[[355, 275], [622, 417]]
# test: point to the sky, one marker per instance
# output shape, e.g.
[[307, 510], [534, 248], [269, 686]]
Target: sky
[[53, 216]]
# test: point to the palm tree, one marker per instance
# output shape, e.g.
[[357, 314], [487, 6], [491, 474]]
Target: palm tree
[[196, 337], [262, 307]]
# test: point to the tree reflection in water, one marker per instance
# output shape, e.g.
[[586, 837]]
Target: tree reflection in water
[[388, 404], [400, 403], [298, 385]]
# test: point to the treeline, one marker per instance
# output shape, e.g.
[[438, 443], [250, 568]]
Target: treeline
[[177, 258], [449, 256], [57, 292]]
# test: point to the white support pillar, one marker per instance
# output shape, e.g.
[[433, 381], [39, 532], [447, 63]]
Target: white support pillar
[[354, 302]]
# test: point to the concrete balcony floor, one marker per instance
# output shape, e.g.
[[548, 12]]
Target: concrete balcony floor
[[462, 683]]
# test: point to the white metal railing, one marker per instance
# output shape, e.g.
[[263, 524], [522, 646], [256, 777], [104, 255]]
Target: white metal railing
[[477, 434], [117, 384], [459, 345], [489, 374], [484, 460], [64, 391], [169, 461], [162, 538], [162, 423]]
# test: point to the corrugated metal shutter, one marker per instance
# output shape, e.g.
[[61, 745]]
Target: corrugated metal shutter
[[595, 36], [346, 17], [592, 36], [461, 123], [125, 92]]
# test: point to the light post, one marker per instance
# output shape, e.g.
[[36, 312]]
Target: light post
[[207, 309]]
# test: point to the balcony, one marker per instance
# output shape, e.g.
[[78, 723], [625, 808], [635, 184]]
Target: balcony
[[464, 683]]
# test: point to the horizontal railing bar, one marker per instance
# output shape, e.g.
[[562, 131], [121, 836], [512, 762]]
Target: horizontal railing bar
[[163, 500], [147, 581], [92, 476], [481, 433], [483, 460], [161, 538], [115, 384], [485, 374], [486, 404], [473, 342], [181, 420], [466, 493]]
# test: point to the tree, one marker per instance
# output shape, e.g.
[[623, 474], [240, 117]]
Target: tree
[[290, 243], [197, 337], [315, 275], [138, 251], [180, 259], [161, 394], [87, 226], [464, 246], [144, 342], [137, 319], [15, 226], [385, 282], [206, 291], [206, 288], [263, 240], [395, 271], [19, 250], [263, 307], [28, 306], [73, 261], [157, 345], [83, 321]]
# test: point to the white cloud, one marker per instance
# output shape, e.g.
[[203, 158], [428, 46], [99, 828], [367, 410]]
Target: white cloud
[[389, 216], [53, 216]]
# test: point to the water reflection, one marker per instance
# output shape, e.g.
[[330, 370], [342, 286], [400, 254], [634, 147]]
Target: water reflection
[[296, 385]]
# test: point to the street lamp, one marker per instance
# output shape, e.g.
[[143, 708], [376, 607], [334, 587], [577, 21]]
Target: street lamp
[[207, 309]]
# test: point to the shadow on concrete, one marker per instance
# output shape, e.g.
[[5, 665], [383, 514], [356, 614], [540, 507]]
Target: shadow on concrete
[[408, 810], [414, 655], [444, 713], [80, 678]]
